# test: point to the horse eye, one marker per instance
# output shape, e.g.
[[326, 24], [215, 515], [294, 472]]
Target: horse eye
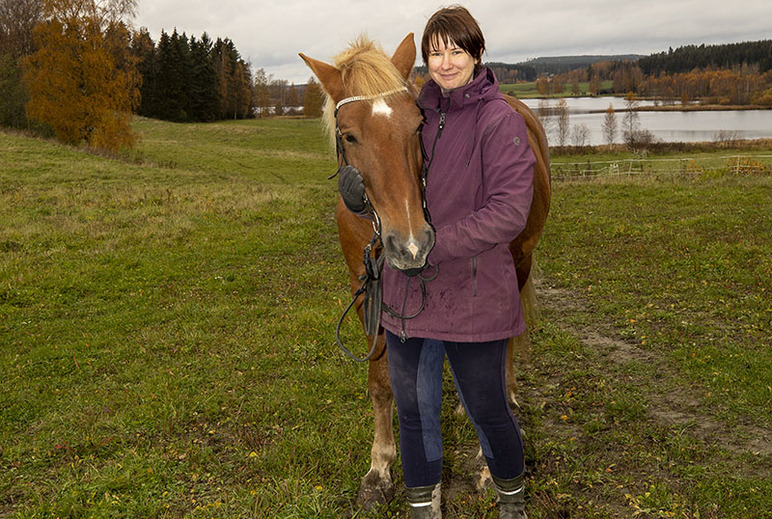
[[350, 138]]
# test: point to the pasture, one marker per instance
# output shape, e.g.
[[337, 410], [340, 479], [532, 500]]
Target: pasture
[[167, 338]]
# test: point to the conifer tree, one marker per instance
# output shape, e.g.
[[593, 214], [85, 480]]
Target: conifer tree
[[203, 86], [144, 52], [17, 19], [173, 77]]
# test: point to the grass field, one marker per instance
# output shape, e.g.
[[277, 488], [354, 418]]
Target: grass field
[[167, 338], [529, 89]]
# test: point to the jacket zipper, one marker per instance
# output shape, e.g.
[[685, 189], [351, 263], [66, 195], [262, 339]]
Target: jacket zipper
[[474, 276], [442, 117]]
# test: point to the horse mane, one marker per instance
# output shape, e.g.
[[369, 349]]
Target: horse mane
[[366, 70]]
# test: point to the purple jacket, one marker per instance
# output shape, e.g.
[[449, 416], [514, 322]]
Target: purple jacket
[[478, 194]]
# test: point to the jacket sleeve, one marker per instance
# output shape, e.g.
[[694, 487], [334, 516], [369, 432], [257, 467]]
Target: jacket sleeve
[[507, 175]]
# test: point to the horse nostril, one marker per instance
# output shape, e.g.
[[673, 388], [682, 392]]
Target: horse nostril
[[413, 248], [429, 233]]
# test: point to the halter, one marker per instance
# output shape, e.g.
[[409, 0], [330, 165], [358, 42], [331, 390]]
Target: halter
[[371, 280], [341, 150]]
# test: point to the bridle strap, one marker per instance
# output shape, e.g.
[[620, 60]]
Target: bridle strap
[[341, 149], [368, 98], [338, 135]]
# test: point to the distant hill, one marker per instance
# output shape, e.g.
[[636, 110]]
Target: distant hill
[[532, 69], [560, 64], [683, 59]]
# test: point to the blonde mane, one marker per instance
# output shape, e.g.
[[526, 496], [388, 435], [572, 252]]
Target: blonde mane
[[366, 70]]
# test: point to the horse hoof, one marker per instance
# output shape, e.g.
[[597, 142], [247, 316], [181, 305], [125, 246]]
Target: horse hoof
[[373, 491], [484, 479]]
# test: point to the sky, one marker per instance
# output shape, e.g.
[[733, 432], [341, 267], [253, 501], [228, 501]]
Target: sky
[[270, 33]]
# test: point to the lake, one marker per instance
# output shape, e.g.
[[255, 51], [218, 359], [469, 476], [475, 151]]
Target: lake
[[665, 126]]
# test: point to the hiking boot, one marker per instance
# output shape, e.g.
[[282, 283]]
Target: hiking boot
[[424, 502], [511, 494]]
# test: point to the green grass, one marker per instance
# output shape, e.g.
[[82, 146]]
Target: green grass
[[167, 321], [526, 90]]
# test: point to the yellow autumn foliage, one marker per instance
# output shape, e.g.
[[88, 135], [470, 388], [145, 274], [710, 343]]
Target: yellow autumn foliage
[[81, 83]]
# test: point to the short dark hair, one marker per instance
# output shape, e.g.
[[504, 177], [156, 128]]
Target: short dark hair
[[453, 24]]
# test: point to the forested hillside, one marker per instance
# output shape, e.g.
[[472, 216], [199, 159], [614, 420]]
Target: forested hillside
[[733, 74], [687, 58], [532, 69]]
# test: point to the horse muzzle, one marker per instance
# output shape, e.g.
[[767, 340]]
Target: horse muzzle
[[410, 251]]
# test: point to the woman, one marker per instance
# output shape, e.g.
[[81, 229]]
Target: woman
[[479, 187]]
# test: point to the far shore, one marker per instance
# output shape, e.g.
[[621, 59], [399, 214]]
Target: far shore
[[697, 107]]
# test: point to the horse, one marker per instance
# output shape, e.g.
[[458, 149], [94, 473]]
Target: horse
[[371, 117]]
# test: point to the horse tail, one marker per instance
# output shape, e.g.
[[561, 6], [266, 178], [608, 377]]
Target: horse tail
[[529, 301], [520, 346]]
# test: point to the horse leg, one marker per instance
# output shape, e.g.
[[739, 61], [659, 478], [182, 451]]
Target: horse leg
[[377, 486]]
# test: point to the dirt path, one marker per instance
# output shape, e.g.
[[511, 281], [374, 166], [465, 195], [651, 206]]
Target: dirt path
[[671, 403], [610, 421]]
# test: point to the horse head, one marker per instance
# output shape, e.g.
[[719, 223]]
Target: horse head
[[372, 115]]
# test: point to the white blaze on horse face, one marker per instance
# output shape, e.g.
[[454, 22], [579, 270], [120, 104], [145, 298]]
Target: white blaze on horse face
[[381, 108]]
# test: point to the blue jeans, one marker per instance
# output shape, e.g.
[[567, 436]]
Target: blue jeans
[[415, 369]]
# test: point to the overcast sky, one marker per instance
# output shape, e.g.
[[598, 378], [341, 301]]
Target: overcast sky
[[270, 33]]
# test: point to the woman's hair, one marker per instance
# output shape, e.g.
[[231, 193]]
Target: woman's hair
[[456, 25]]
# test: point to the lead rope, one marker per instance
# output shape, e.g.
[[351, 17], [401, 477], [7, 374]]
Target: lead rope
[[371, 279], [371, 288]]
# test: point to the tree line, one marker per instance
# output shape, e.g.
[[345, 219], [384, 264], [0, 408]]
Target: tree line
[[75, 69], [727, 56], [191, 79], [733, 74]]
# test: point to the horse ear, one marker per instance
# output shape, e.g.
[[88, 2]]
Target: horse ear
[[404, 56], [329, 77]]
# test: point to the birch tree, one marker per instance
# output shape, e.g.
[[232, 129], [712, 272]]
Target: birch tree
[[82, 80], [610, 125]]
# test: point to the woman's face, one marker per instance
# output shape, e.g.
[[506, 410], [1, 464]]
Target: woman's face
[[449, 65]]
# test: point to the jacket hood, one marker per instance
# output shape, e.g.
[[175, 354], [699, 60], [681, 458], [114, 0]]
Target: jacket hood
[[483, 87]]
